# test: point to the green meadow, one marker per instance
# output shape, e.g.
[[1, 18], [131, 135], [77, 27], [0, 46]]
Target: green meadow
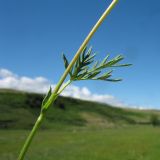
[[76, 129], [131, 143]]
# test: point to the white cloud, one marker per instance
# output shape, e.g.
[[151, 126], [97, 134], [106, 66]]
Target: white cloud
[[10, 80], [84, 93], [6, 73]]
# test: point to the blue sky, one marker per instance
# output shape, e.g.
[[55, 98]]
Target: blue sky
[[34, 33]]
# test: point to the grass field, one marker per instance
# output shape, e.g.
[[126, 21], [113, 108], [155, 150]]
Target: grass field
[[131, 143], [77, 130]]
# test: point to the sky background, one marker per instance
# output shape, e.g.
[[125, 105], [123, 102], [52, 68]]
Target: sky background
[[34, 33]]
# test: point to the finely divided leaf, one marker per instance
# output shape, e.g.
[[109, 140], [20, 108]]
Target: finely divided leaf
[[104, 61], [86, 69], [66, 64], [114, 80], [65, 61], [105, 75], [121, 65]]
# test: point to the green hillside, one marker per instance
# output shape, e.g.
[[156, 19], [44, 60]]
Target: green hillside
[[19, 110], [76, 129]]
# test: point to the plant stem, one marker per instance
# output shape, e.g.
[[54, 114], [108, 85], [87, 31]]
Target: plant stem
[[55, 92], [65, 85], [85, 42], [37, 125], [30, 137]]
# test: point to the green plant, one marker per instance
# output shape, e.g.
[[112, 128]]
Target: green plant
[[79, 69]]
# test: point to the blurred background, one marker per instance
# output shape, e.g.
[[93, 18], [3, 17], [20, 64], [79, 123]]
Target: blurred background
[[35, 33], [33, 36]]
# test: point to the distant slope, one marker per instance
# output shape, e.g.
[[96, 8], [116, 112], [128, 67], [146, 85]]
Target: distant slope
[[19, 110]]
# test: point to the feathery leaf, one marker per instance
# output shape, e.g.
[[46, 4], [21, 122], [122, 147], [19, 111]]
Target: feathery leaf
[[85, 68]]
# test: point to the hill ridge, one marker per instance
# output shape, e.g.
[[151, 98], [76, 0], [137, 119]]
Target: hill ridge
[[19, 110]]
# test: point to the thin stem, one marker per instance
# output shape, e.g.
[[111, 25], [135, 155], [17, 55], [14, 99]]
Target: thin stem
[[55, 92], [85, 42], [65, 85], [37, 125], [30, 137]]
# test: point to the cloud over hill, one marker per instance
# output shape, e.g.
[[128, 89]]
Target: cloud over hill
[[11, 80]]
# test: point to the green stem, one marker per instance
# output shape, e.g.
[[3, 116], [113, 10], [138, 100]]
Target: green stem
[[85, 42], [37, 125], [65, 85], [30, 137], [55, 92]]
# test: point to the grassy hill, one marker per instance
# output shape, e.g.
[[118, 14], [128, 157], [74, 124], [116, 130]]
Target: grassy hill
[[76, 129], [19, 110]]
